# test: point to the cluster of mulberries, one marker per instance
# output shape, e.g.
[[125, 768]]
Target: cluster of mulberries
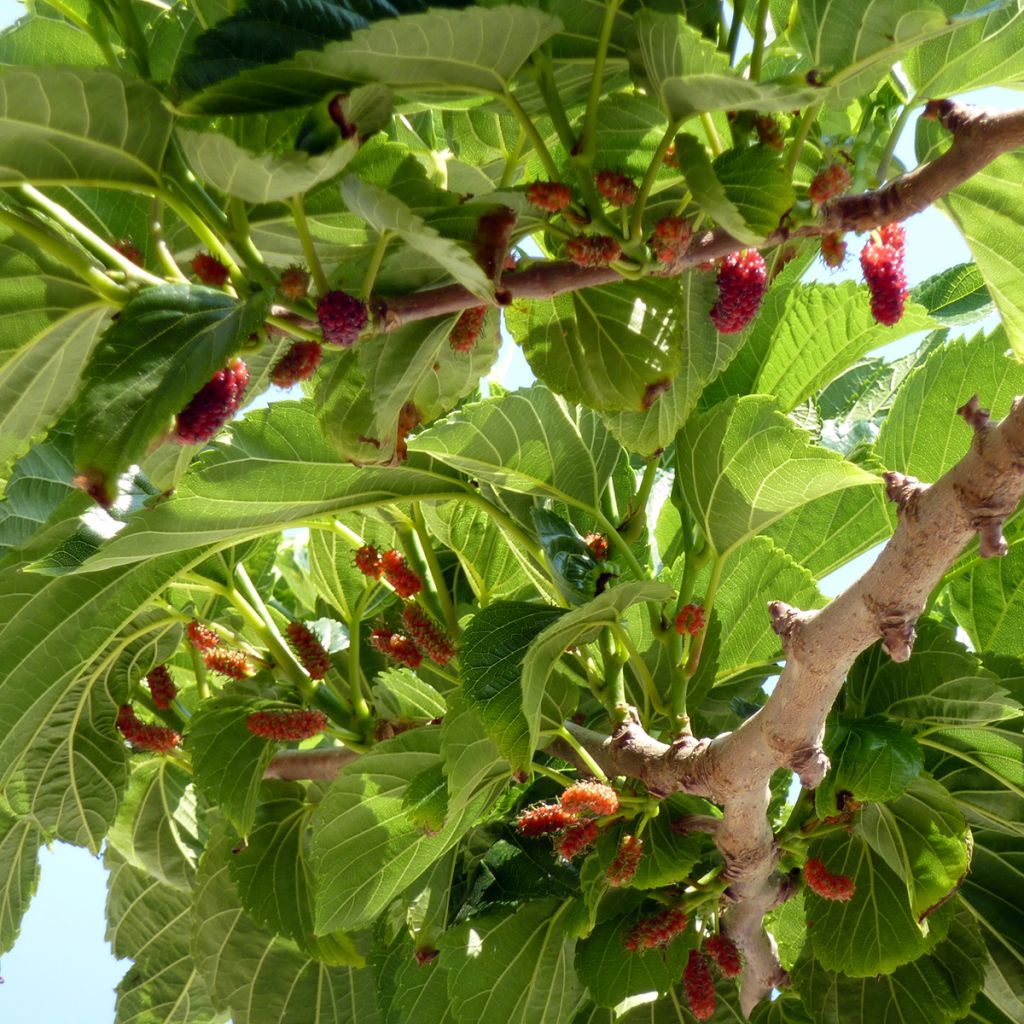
[[833, 181], [428, 636], [655, 931], [315, 660], [467, 329], [617, 188], [209, 270], [286, 723], [690, 619], [294, 283], [575, 839], [552, 196], [742, 280], [213, 404], [155, 738], [593, 250], [594, 798], [627, 860], [670, 239], [828, 886], [396, 571], [881, 260], [201, 637], [699, 986], [397, 646], [161, 687], [342, 317], [297, 364], [723, 951], [232, 664], [571, 819], [833, 249], [598, 544]]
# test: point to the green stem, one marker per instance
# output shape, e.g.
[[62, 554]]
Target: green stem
[[551, 773], [807, 119], [68, 255], [894, 138], [527, 125], [163, 252], [639, 668], [199, 228], [284, 324], [308, 248], [614, 683], [241, 240], [733, 42], [199, 670], [709, 603], [355, 671], [592, 766], [636, 517], [553, 102], [651, 176], [712, 133], [587, 146], [760, 33], [444, 597], [373, 267], [512, 159], [135, 41]]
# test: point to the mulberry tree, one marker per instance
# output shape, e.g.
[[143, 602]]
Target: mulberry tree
[[392, 696]]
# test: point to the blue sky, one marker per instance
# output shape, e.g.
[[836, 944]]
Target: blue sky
[[61, 970]]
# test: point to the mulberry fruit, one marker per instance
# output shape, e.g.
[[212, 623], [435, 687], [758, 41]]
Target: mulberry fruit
[[552, 196], [589, 797], [598, 544], [723, 951], [882, 264], [670, 240], [397, 646], [769, 133], [833, 249], [576, 839], [428, 635], [209, 270], [368, 562], [213, 404], [741, 285], [833, 181], [399, 575], [157, 739], [700, 986], [690, 619], [294, 283], [298, 363], [232, 664], [129, 250], [161, 687], [828, 886], [342, 317], [617, 188], [286, 724], [593, 250], [467, 329], [200, 637], [657, 930], [315, 660], [538, 821], [626, 861]]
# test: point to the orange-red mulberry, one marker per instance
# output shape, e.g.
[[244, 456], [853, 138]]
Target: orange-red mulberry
[[429, 636], [593, 250], [700, 986], [626, 861], [591, 798], [397, 572], [209, 270], [828, 886], [368, 561], [201, 637], [315, 660], [285, 724], [657, 930], [157, 739], [233, 664], [342, 317], [552, 196], [161, 687], [538, 821], [576, 839]]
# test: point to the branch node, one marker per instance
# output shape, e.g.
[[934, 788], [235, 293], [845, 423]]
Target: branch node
[[786, 621], [895, 626], [904, 491], [811, 764], [973, 414]]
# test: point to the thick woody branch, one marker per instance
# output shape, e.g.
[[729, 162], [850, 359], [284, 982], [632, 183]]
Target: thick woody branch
[[319, 765], [979, 137]]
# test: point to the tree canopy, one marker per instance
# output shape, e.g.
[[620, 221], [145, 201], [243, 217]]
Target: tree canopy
[[397, 697]]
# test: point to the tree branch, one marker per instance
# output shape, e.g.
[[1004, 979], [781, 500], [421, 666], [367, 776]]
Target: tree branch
[[321, 765], [979, 137]]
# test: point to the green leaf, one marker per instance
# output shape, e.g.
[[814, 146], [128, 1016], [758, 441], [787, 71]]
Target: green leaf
[[263, 979], [922, 836], [275, 879], [823, 330], [691, 75], [513, 966], [984, 51], [745, 191], [703, 354], [492, 652], [612, 348], [934, 989], [74, 125], [997, 752], [400, 693], [955, 296], [529, 441], [743, 465], [133, 387], [227, 759], [365, 849], [988, 602], [42, 40], [668, 857], [19, 873], [875, 932], [872, 759], [472, 762], [386, 213], [968, 701], [157, 827]]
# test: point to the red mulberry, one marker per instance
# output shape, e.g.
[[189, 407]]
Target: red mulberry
[[397, 646], [467, 329], [315, 660], [690, 619], [200, 637], [576, 839], [213, 404], [286, 724], [671, 238], [769, 133], [590, 797], [617, 188], [598, 544], [368, 562], [232, 664], [538, 821], [428, 635], [657, 930], [294, 283], [828, 886], [833, 249], [724, 952], [161, 687], [700, 986], [593, 250], [155, 738], [833, 181], [741, 284], [342, 317], [627, 860], [209, 270], [399, 575], [882, 264], [298, 363], [552, 196], [129, 250]]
